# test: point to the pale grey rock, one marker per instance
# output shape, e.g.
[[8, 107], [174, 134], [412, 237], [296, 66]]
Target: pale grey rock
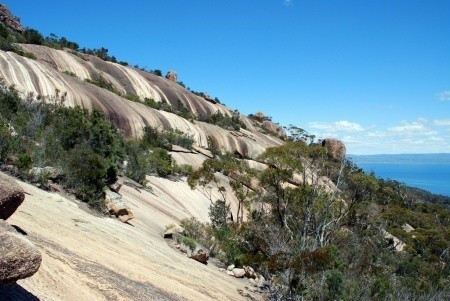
[[172, 76], [252, 281], [116, 206], [238, 273], [407, 228], [199, 254], [11, 196], [49, 172], [19, 258], [173, 232]]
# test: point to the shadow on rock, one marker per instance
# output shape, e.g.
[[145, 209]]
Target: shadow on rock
[[14, 292]]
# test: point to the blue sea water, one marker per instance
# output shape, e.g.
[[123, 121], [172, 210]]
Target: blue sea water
[[430, 172]]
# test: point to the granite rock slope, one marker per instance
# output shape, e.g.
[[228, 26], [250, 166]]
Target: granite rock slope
[[59, 76], [91, 257]]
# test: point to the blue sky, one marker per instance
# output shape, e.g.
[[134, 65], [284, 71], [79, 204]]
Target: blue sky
[[375, 73]]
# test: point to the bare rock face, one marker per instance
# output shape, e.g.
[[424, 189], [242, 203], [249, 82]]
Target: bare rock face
[[11, 197], [9, 20], [172, 76], [335, 148], [116, 206], [19, 258], [274, 128]]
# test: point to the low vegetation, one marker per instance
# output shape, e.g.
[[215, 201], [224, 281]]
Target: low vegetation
[[319, 243], [231, 123], [76, 148]]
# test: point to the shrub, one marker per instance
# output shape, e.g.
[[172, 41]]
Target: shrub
[[159, 162], [183, 169], [188, 241], [231, 123], [86, 172], [166, 139], [197, 230], [218, 213]]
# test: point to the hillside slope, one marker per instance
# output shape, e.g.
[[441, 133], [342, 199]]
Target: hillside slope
[[87, 257], [62, 75]]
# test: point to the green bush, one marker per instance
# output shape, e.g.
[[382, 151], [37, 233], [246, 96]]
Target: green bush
[[188, 241], [86, 172], [197, 230], [159, 162], [166, 139], [232, 123], [219, 212]]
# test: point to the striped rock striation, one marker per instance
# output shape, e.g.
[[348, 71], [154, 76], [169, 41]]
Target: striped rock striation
[[66, 76]]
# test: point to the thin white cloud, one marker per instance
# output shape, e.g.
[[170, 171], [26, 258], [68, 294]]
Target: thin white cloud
[[442, 122], [410, 126], [288, 2], [409, 136], [338, 126], [444, 96]]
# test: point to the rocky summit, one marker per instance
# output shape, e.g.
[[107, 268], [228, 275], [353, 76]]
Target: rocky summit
[[9, 20]]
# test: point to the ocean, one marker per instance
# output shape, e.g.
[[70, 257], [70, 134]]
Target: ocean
[[430, 172]]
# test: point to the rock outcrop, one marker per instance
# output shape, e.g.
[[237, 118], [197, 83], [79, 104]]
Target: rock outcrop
[[335, 148], [200, 254], [172, 76], [116, 206], [19, 258], [407, 228], [238, 273], [11, 197], [249, 272], [172, 232], [274, 128], [9, 20], [396, 243]]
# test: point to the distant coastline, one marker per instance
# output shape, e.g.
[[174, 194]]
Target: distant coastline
[[430, 172]]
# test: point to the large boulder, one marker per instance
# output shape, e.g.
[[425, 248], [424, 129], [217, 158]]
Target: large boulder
[[172, 76], [19, 258], [238, 273], [116, 206], [11, 196], [249, 272], [335, 148], [200, 254]]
